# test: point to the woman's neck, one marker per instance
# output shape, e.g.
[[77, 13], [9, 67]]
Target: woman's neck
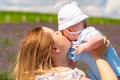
[[61, 61]]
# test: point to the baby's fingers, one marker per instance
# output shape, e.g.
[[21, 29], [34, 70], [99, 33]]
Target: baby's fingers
[[76, 46], [76, 51]]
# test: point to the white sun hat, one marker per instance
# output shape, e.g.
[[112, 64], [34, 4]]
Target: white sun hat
[[69, 15]]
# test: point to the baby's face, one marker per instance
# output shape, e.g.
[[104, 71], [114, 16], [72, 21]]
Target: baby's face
[[73, 32], [71, 37]]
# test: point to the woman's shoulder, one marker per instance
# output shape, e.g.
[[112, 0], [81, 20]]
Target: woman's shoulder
[[62, 73]]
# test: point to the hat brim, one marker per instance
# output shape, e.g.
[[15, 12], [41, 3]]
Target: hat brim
[[72, 22]]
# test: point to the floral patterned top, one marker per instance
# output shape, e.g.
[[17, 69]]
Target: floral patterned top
[[74, 74]]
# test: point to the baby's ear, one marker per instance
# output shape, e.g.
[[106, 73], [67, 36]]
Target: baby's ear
[[58, 6], [74, 3], [55, 49]]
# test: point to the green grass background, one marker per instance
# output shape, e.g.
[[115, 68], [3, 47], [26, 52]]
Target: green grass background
[[16, 17]]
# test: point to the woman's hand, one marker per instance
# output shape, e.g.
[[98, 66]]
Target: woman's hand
[[104, 68], [100, 51]]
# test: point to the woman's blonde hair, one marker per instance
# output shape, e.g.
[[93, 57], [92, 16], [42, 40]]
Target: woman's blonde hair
[[34, 55]]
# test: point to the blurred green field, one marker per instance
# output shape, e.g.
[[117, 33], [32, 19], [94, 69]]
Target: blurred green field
[[16, 17], [9, 29]]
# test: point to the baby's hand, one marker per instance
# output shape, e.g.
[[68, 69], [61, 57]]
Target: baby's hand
[[79, 48]]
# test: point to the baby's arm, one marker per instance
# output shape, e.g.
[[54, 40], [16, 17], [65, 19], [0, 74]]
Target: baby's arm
[[91, 44]]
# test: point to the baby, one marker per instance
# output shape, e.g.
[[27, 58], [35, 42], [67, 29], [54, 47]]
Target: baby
[[72, 23]]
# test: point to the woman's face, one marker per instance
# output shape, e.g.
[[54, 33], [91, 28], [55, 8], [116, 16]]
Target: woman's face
[[61, 42]]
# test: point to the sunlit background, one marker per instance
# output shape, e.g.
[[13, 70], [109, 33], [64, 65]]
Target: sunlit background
[[104, 8], [18, 16]]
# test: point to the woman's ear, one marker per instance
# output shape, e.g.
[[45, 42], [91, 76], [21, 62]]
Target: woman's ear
[[55, 49]]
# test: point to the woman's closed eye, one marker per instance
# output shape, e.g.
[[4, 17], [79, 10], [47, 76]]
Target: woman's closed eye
[[58, 33]]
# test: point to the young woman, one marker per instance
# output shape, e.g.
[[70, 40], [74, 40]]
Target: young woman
[[43, 56]]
